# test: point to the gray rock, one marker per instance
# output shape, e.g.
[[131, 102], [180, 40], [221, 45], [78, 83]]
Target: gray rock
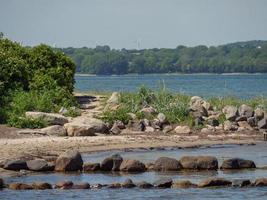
[[167, 129], [199, 162], [213, 122], [148, 111], [51, 118], [262, 124], [1, 183], [260, 182], [237, 163], [163, 183], [245, 125], [114, 99], [115, 129], [39, 165], [162, 118], [91, 167], [64, 185], [167, 164], [182, 130], [231, 112], [42, 186], [128, 183], [259, 113], [252, 121], [111, 163], [214, 182], [69, 161], [56, 130], [145, 185], [81, 186], [246, 111], [241, 118], [132, 166], [241, 183], [16, 165]]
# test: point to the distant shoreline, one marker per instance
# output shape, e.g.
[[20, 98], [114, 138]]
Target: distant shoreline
[[171, 74]]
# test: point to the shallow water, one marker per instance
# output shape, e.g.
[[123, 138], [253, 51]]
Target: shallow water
[[253, 152], [206, 85]]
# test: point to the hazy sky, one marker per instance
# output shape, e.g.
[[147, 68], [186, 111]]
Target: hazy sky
[[121, 23]]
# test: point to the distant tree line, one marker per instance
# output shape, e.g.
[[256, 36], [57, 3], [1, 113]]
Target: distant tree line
[[248, 57]]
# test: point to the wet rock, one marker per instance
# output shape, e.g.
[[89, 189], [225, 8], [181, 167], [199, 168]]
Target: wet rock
[[231, 112], [163, 183], [81, 186], [262, 124], [183, 184], [111, 163], [16, 165], [91, 167], [56, 130], [97, 186], [85, 127], [215, 182], [1, 183], [237, 163], [245, 111], [51, 118], [20, 186], [149, 166], [167, 164], [39, 165], [182, 130], [241, 183], [114, 186], [132, 166], [145, 185], [199, 162], [64, 185], [69, 161], [128, 183], [259, 113], [260, 182], [41, 186]]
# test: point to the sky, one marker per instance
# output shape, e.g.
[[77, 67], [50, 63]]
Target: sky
[[133, 23]]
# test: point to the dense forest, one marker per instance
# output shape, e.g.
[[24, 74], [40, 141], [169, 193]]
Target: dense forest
[[248, 57]]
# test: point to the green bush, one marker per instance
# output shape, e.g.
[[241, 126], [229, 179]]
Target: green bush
[[120, 114]]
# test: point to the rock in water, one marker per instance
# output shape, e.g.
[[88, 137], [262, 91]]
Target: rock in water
[[237, 163], [214, 182], [69, 161], [132, 166], [163, 183], [39, 165], [20, 186], [199, 162], [111, 163], [128, 183], [167, 164], [64, 185], [261, 182], [1, 183], [41, 186], [183, 184], [144, 185], [90, 167]]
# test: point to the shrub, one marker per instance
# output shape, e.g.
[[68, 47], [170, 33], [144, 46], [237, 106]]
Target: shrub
[[120, 114]]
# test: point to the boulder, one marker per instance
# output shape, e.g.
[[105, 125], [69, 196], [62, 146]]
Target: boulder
[[128, 183], [262, 124], [245, 125], [69, 161], [163, 183], [39, 165], [91, 167], [213, 122], [231, 112], [241, 118], [167, 164], [19, 186], [81, 186], [259, 113], [115, 130], [149, 129], [199, 162], [241, 183], [182, 130], [245, 111], [51, 118], [183, 184], [229, 126], [114, 186], [162, 118], [167, 129], [237, 163], [214, 182], [111, 163], [198, 121], [194, 100], [132, 166], [85, 127], [150, 166], [144, 185], [1, 183], [55, 130], [64, 185], [260, 182], [41, 186], [16, 165], [252, 121]]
